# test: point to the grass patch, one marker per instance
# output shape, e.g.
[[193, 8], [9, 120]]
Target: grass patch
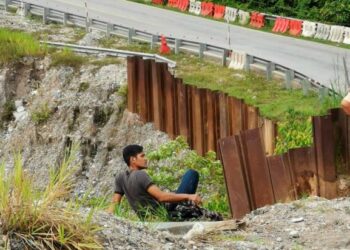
[[123, 90], [66, 57], [7, 113], [83, 86], [36, 218], [12, 10], [106, 61], [79, 33], [41, 114], [15, 45]]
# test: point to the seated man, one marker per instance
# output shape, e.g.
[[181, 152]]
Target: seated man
[[142, 194]]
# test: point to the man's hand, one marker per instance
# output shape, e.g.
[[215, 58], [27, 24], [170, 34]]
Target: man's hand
[[195, 198], [116, 199]]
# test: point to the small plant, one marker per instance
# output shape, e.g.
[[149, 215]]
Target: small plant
[[102, 115], [37, 218], [41, 114], [123, 90], [7, 113], [83, 86], [66, 57]]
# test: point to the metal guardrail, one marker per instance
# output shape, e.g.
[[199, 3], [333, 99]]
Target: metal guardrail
[[110, 52], [177, 44]]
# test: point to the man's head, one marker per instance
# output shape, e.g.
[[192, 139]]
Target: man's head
[[134, 156]]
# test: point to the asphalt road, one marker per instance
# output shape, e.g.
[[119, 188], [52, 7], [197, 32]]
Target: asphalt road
[[318, 61]]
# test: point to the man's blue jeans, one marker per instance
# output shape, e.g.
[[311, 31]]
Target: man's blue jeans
[[188, 185]]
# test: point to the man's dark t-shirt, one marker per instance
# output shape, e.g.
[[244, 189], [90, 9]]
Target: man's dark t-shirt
[[134, 185]]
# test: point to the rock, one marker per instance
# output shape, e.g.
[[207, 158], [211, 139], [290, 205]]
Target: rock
[[297, 220]]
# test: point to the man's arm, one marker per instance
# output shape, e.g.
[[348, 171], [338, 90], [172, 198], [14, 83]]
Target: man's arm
[[172, 197], [116, 199]]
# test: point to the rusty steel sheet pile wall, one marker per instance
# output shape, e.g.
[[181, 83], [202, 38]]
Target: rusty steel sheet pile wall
[[254, 179], [200, 115]]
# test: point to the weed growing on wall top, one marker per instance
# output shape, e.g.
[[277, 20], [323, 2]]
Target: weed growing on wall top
[[170, 161], [67, 58], [15, 45]]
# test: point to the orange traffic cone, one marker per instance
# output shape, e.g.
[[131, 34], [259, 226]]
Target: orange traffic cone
[[164, 48]]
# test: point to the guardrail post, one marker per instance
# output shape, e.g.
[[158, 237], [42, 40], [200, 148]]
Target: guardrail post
[[45, 15], [131, 32], [288, 79], [65, 18], [88, 22], [177, 45], [154, 40], [249, 60], [6, 4], [201, 50], [224, 57], [306, 85], [109, 28], [269, 71], [26, 8]]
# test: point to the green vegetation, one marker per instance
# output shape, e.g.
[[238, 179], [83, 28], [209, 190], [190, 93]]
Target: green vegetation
[[66, 57], [294, 132], [170, 161], [15, 45], [41, 114], [123, 90], [37, 218], [83, 86], [8, 109], [105, 61]]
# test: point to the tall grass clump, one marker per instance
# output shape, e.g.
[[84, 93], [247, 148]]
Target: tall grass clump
[[16, 44], [66, 57], [38, 218]]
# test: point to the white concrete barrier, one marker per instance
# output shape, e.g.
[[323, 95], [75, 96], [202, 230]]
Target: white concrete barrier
[[309, 29], [231, 14], [192, 8], [337, 34], [244, 17], [347, 36], [323, 31], [238, 60], [198, 8]]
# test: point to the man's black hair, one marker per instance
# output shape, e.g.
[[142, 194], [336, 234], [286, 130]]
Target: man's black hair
[[131, 151]]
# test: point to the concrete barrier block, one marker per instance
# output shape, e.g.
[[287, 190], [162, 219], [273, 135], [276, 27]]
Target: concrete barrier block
[[337, 34], [347, 35], [309, 29], [230, 14]]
